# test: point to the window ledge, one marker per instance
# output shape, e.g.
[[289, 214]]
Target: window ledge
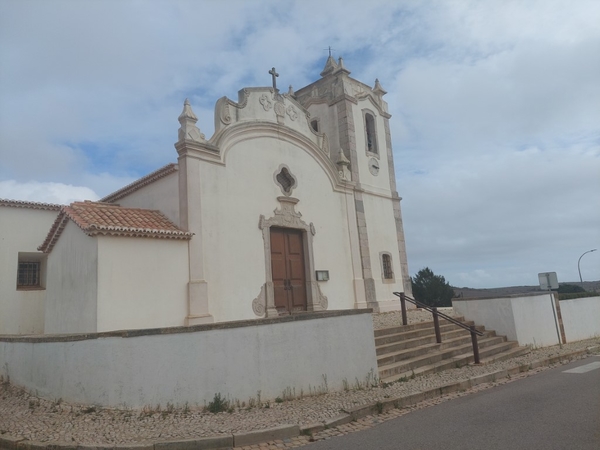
[[30, 288]]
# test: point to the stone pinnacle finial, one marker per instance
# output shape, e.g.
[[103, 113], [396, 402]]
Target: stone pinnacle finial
[[187, 112], [342, 160], [291, 91], [377, 89], [330, 66], [343, 166], [188, 131], [341, 67]]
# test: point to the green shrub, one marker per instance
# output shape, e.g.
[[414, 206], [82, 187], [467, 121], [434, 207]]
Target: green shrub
[[218, 404], [578, 295], [569, 289]]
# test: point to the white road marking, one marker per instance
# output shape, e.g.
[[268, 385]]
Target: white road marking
[[585, 368]]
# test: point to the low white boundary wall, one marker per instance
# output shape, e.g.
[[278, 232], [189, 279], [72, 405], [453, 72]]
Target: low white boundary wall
[[581, 317], [529, 318], [178, 365]]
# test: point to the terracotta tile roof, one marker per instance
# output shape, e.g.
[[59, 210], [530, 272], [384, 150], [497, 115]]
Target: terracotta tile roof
[[31, 205], [96, 218], [138, 184]]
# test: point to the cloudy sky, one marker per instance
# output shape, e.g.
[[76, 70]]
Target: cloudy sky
[[495, 109]]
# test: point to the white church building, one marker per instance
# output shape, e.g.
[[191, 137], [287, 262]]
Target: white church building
[[290, 207]]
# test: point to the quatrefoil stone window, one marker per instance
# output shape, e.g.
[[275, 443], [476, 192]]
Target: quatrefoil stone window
[[285, 180]]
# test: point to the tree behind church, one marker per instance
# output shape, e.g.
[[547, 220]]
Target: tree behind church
[[432, 289]]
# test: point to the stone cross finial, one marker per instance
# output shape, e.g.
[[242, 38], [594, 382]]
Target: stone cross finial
[[274, 75]]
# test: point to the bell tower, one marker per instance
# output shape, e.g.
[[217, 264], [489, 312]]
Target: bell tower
[[355, 118]]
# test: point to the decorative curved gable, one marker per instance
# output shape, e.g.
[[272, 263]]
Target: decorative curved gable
[[265, 113], [261, 104], [251, 130]]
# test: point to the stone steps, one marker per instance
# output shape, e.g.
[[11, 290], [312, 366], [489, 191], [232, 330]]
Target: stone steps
[[396, 335], [407, 351], [423, 340], [447, 348]]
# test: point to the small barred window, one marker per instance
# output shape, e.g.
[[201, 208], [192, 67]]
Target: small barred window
[[29, 274], [387, 266], [285, 180]]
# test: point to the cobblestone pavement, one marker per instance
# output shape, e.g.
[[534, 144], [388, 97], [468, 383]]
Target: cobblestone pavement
[[394, 318], [28, 417]]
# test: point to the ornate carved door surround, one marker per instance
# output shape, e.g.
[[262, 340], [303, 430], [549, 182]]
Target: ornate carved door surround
[[287, 217]]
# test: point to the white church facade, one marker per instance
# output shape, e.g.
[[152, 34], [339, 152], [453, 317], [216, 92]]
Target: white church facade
[[290, 207]]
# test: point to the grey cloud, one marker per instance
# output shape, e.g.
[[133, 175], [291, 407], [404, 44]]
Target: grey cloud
[[495, 108]]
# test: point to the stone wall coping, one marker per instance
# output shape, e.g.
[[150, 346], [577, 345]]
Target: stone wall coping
[[183, 329], [496, 297]]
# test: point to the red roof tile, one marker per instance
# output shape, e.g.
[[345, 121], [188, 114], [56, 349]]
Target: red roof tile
[[96, 218], [32, 205]]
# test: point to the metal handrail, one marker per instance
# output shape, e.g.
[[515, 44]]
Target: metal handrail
[[433, 310]]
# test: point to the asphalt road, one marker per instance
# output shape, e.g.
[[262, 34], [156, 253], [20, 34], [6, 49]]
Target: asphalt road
[[554, 409]]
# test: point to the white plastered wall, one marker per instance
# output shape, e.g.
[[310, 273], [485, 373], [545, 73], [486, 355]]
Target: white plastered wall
[[72, 283], [21, 230], [162, 195], [527, 319], [381, 229], [142, 282], [328, 124], [234, 197], [534, 320], [379, 210], [190, 367], [581, 318], [495, 314], [380, 183]]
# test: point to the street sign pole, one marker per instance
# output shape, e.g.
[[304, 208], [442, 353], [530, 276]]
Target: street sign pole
[[549, 281]]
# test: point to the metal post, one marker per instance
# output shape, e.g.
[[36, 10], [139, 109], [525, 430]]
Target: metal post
[[579, 260], [555, 319], [475, 347], [403, 305], [436, 325]]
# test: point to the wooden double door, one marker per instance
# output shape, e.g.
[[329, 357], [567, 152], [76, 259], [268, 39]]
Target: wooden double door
[[288, 270]]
